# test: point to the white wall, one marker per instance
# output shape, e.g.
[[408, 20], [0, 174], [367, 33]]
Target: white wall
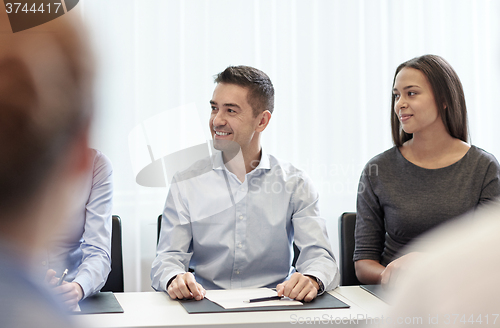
[[331, 62]]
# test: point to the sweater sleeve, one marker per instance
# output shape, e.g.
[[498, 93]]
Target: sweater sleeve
[[491, 183], [370, 229]]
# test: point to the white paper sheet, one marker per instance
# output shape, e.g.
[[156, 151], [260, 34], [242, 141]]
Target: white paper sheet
[[238, 298]]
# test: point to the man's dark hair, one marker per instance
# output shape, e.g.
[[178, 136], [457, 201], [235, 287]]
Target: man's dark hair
[[448, 94], [260, 87]]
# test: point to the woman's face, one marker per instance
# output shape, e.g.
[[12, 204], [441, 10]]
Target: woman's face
[[414, 102]]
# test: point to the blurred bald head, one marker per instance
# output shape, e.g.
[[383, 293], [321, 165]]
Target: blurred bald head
[[45, 105]]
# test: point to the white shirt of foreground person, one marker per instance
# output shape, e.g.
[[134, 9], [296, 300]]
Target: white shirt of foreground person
[[84, 247], [239, 235], [455, 282]]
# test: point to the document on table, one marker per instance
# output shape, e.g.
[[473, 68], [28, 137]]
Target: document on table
[[238, 298]]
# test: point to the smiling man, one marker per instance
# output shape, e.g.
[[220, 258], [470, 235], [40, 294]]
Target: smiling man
[[232, 218]]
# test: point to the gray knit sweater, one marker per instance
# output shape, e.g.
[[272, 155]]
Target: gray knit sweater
[[398, 201]]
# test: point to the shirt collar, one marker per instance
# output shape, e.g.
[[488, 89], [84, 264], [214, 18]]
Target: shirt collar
[[218, 163], [264, 164]]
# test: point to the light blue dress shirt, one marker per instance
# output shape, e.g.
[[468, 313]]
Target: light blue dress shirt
[[84, 248], [239, 235]]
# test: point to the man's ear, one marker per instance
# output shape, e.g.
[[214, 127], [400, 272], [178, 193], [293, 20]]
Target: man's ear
[[265, 117]]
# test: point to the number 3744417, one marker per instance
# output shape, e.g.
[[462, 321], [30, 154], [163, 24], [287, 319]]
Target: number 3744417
[[25, 8]]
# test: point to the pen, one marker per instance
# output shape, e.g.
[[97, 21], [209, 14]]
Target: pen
[[62, 278], [263, 299]]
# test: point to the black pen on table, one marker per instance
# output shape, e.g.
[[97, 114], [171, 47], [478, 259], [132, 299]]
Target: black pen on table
[[264, 299], [62, 278]]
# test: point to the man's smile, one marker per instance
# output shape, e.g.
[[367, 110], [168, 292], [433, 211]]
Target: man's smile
[[220, 133]]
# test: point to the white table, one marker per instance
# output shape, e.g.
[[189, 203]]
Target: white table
[[156, 309]]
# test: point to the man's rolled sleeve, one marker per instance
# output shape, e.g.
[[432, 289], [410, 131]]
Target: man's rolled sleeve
[[174, 248], [316, 257]]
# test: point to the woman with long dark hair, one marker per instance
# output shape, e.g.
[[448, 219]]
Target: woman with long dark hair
[[430, 176]]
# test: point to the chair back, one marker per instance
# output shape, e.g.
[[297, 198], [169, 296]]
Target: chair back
[[347, 224], [158, 229], [115, 278], [296, 253]]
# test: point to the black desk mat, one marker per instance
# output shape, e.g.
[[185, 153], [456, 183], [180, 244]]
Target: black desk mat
[[325, 301], [375, 290], [103, 302]]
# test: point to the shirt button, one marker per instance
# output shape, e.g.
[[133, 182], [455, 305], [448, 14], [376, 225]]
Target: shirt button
[[241, 217], [240, 245], [44, 263], [237, 272]]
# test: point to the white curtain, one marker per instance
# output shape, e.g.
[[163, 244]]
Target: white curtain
[[331, 62]]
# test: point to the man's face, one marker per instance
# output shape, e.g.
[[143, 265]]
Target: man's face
[[232, 123]]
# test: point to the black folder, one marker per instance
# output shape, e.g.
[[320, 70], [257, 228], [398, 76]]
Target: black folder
[[375, 290], [103, 302], [325, 301]]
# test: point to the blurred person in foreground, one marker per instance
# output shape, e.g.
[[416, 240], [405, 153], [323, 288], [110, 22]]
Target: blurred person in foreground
[[455, 283], [45, 113]]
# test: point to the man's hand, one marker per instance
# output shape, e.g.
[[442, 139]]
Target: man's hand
[[393, 269], [185, 286], [299, 287], [70, 293], [50, 277]]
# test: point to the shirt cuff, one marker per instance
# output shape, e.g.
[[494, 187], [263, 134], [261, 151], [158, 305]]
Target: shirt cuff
[[85, 284], [321, 286], [165, 282]]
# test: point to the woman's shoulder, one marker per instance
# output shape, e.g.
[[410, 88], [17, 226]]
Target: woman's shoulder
[[387, 156], [386, 163], [481, 155]]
